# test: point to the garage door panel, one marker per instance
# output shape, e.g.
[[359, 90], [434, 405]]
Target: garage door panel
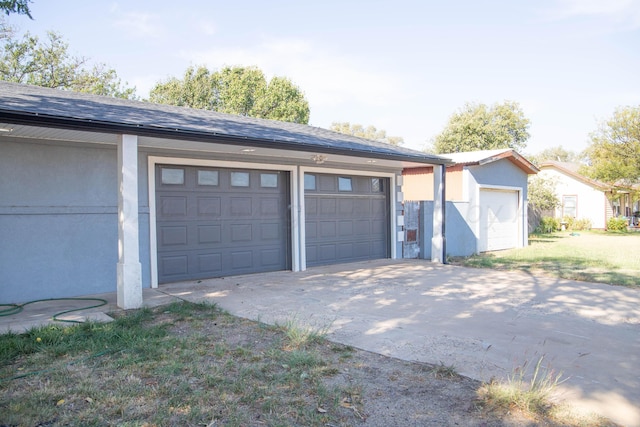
[[328, 206], [269, 206], [326, 252], [241, 259], [327, 229], [173, 206], [349, 221], [499, 220], [216, 229], [345, 250], [270, 232], [270, 257], [310, 207], [241, 233], [361, 227], [345, 207], [377, 249], [345, 229], [362, 207], [241, 206], [378, 206], [209, 262], [174, 265], [209, 234], [311, 230], [174, 235], [209, 206]]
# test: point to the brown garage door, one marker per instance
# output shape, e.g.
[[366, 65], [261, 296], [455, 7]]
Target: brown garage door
[[347, 218], [214, 222]]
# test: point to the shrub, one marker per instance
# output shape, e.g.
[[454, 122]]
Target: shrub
[[581, 224], [617, 224], [548, 225]]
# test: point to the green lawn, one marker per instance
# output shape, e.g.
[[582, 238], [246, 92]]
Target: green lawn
[[592, 256]]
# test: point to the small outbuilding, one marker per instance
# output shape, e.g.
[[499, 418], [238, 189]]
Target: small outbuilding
[[100, 194], [486, 194]]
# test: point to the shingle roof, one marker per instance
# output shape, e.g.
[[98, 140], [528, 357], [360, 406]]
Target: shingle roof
[[34, 105]]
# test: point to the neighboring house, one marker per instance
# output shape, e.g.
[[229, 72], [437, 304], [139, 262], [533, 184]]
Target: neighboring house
[[486, 193], [584, 198], [101, 194]]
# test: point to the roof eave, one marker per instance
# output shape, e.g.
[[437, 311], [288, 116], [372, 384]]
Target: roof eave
[[71, 123]]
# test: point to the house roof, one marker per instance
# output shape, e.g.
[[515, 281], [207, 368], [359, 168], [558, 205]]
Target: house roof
[[37, 106], [483, 157], [571, 169]]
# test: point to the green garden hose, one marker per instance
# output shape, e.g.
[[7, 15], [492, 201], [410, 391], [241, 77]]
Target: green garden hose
[[17, 308]]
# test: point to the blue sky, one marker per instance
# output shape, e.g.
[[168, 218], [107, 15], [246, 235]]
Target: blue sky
[[403, 66]]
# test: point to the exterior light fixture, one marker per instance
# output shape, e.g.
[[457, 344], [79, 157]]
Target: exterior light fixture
[[319, 158]]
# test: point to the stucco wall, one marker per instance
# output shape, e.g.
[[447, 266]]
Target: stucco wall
[[591, 203], [460, 239], [58, 220]]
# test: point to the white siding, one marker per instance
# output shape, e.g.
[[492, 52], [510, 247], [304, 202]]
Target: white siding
[[591, 203]]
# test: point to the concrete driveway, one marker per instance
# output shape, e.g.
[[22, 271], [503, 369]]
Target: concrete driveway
[[484, 322]]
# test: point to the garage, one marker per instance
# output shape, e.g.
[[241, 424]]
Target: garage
[[346, 218], [499, 219], [216, 222]]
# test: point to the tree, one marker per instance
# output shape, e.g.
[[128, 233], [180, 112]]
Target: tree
[[480, 127], [542, 194], [21, 7], [370, 132], [614, 151], [31, 61], [556, 154], [235, 90]]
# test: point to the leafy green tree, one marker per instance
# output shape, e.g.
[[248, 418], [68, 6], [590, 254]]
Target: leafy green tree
[[542, 193], [235, 90], [48, 63], [480, 127], [556, 154], [614, 151], [21, 7], [369, 132]]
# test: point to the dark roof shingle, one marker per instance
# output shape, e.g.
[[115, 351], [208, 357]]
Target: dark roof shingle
[[43, 106]]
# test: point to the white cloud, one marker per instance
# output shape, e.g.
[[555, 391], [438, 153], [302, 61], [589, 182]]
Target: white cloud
[[138, 24], [618, 11]]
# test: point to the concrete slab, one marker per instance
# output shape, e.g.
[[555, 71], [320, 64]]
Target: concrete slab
[[41, 313], [484, 322]]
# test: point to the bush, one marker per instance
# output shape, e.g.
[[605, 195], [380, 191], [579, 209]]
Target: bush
[[582, 224], [548, 225], [574, 224], [617, 224]]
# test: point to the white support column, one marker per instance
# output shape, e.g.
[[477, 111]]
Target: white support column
[[437, 241], [129, 268]]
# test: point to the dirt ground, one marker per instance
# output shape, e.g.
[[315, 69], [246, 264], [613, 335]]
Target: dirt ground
[[393, 392]]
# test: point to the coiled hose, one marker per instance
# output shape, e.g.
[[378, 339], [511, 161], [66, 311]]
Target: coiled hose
[[17, 308]]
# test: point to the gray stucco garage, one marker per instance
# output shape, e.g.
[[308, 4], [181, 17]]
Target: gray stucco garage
[[101, 194]]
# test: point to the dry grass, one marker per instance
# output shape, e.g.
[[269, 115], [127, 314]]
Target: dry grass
[[191, 364]]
